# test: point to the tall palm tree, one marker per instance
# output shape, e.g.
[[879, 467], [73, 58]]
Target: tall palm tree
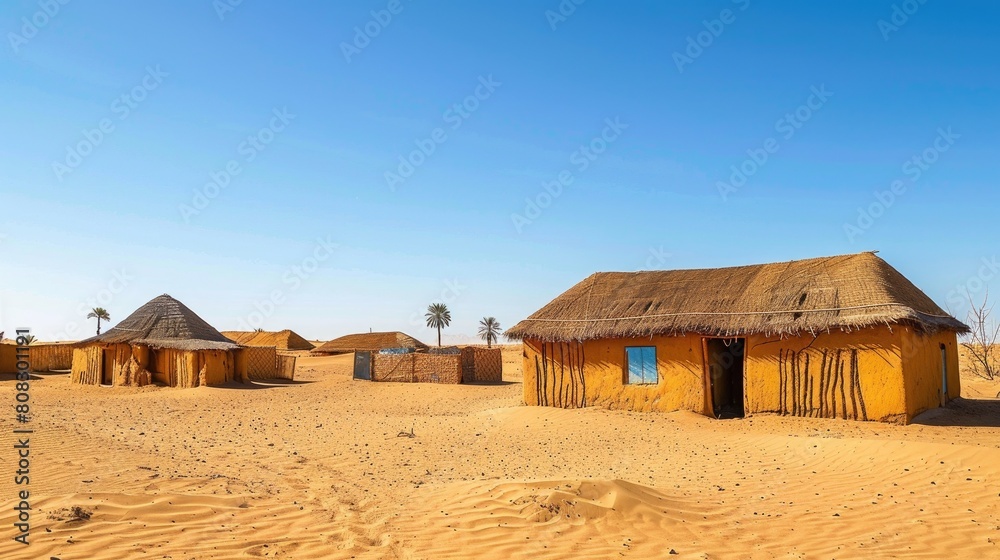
[[99, 313], [438, 316], [489, 330]]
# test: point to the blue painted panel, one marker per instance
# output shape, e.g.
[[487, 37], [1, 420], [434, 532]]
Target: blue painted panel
[[633, 356]]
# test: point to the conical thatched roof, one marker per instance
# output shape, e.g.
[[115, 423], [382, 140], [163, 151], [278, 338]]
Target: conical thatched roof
[[845, 292], [372, 342], [165, 322], [282, 340]]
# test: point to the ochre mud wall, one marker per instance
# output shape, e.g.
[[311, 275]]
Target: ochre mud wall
[[86, 367], [857, 375], [8, 358], [176, 368], [922, 365], [216, 367], [127, 365], [114, 364], [592, 373], [881, 373]]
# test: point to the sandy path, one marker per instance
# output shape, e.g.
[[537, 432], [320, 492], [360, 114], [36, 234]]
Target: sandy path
[[316, 469]]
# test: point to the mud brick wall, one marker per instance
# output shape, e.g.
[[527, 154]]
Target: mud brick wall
[[483, 365], [392, 367], [417, 368], [429, 368]]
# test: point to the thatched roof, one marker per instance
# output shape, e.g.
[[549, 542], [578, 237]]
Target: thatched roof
[[282, 340], [370, 342], [165, 322], [845, 292]]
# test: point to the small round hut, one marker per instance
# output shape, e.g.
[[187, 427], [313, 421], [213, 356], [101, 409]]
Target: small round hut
[[162, 341]]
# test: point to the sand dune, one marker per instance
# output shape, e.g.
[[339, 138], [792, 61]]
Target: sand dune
[[321, 468]]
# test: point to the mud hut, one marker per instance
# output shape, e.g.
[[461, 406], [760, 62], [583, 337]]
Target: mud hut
[[371, 342], [162, 341], [285, 340], [836, 337]]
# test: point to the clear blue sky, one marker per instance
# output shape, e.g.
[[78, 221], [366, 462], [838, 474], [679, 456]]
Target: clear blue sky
[[197, 85]]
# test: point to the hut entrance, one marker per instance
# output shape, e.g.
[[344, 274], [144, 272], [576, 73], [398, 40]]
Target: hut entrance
[[724, 367], [107, 367]]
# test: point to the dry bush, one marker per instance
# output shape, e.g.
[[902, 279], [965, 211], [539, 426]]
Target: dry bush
[[75, 513], [981, 343]]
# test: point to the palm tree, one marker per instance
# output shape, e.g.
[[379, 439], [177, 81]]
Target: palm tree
[[489, 330], [99, 313], [438, 316], [29, 339]]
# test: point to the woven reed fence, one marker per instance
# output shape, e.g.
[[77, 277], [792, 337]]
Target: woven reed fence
[[51, 357], [264, 362]]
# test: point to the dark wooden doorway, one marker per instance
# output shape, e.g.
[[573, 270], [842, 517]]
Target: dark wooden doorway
[[724, 365], [108, 367]]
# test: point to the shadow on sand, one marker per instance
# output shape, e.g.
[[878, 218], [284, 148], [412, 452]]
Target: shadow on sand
[[262, 384], [13, 377], [981, 413]]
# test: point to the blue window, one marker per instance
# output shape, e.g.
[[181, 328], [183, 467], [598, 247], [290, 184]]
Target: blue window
[[640, 362]]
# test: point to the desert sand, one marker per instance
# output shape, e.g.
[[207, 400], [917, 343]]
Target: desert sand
[[324, 467]]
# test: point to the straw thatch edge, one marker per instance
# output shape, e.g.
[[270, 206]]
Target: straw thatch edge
[[845, 293]]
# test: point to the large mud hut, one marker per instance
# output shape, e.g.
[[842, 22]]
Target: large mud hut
[[286, 340], [371, 342], [836, 337], [164, 342]]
